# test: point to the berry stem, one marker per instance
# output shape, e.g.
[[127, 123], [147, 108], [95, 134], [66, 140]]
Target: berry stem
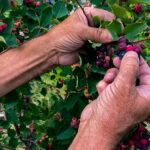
[[84, 13], [140, 41]]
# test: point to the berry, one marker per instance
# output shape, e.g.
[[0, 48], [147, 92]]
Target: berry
[[18, 41], [122, 46], [99, 63], [137, 49], [48, 147], [1, 29], [129, 48], [107, 58], [137, 8], [38, 3], [106, 65], [42, 138], [146, 34], [101, 56], [120, 54], [142, 129], [30, 1], [121, 40], [57, 116], [143, 141], [12, 3]]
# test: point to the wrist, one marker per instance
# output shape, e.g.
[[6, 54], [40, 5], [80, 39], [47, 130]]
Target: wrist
[[94, 138]]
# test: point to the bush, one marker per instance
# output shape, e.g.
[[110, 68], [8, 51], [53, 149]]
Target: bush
[[45, 113]]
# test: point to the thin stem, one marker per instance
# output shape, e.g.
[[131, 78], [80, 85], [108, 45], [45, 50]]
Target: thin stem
[[3, 146], [84, 13], [140, 41]]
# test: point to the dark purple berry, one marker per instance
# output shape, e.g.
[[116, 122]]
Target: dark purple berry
[[121, 40], [101, 56], [106, 65], [99, 63], [120, 54], [122, 46], [147, 34]]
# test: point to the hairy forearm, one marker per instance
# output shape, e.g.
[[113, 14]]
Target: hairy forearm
[[23, 63]]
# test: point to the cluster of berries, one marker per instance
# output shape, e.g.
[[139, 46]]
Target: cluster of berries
[[3, 25], [102, 58], [88, 5], [137, 8], [139, 140], [30, 3], [124, 47], [75, 122], [61, 81]]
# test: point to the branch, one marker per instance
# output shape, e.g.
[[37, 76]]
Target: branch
[[140, 41], [120, 2], [84, 13]]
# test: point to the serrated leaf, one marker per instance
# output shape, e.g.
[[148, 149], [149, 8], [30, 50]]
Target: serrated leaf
[[68, 133], [46, 16], [134, 29], [59, 10]]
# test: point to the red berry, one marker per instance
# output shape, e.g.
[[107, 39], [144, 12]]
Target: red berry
[[1, 29], [48, 147], [4, 26], [123, 147], [106, 65], [122, 46], [107, 58], [85, 88], [131, 142], [18, 41], [143, 141], [37, 3], [129, 48], [137, 8], [30, 1], [42, 138], [142, 129]]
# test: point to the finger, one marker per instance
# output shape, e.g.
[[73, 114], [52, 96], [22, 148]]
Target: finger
[[101, 86], [96, 35], [128, 70], [110, 75], [103, 14], [117, 62]]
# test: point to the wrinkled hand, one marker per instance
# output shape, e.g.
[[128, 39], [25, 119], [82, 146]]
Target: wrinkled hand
[[69, 36], [120, 105]]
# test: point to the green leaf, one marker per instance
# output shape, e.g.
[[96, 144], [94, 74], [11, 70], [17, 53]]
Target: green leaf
[[132, 30], [96, 2], [120, 12], [11, 132], [46, 16], [2, 39], [72, 100], [10, 40], [139, 1], [4, 5], [95, 69], [97, 21], [68, 133], [32, 15], [11, 116], [59, 10]]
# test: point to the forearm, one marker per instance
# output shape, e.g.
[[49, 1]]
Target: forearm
[[23, 63]]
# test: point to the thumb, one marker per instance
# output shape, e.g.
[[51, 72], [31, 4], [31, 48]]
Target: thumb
[[97, 35], [129, 69]]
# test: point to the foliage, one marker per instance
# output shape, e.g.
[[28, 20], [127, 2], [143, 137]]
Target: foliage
[[44, 114]]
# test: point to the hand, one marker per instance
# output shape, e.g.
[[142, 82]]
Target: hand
[[69, 36], [119, 107]]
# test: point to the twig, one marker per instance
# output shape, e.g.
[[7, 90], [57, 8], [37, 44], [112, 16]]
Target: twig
[[84, 13], [140, 41]]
